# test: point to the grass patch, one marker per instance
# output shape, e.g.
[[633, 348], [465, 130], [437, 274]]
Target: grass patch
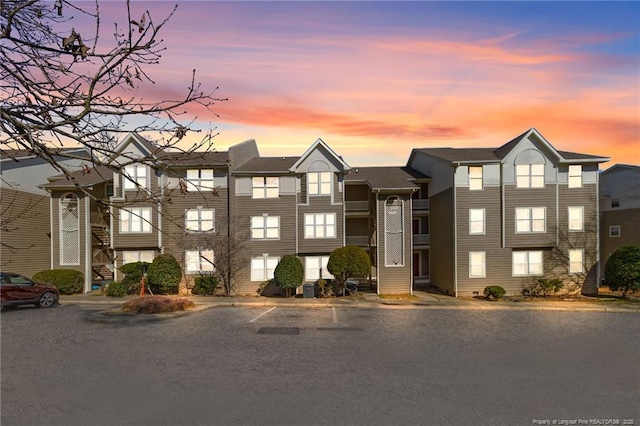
[[398, 296], [157, 305]]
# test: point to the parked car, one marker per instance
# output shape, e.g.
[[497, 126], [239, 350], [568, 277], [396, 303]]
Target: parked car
[[16, 289]]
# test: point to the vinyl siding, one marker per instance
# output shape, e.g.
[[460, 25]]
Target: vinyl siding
[[26, 243], [395, 279], [320, 204], [441, 247], [530, 197], [135, 239], [629, 222]]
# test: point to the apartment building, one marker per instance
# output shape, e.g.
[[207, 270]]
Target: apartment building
[[510, 215], [459, 219], [619, 209]]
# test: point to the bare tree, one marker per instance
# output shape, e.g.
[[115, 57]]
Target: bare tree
[[61, 87]]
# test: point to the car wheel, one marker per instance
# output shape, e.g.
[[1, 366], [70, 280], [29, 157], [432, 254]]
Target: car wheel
[[47, 300]]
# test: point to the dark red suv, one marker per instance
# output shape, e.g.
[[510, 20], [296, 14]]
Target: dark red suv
[[17, 290]]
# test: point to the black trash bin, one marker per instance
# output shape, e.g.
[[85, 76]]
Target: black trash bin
[[308, 291]]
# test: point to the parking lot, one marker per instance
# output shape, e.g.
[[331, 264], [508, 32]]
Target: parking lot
[[275, 365]]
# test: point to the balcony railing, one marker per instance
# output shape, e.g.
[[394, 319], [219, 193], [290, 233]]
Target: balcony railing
[[420, 239], [356, 206], [358, 240], [420, 204]]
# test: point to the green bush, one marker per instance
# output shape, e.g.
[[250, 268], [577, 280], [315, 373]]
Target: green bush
[[326, 288], [205, 286], [289, 273], [348, 262], [494, 292], [133, 275], [116, 289], [622, 270], [164, 275], [67, 281], [546, 286]]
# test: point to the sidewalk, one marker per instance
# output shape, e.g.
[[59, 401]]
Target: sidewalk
[[423, 300]]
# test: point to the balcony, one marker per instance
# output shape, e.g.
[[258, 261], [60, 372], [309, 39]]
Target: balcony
[[356, 206], [359, 240], [420, 239], [420, 204]]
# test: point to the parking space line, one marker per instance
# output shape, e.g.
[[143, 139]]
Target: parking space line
[[264, 313], [335, 316]]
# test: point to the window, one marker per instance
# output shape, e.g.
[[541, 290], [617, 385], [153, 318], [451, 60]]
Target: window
[[135, 219], [137, 256], [200, 180], [262, 268], [475, 178], [575, 261], [265, 187], [200, 220], [527, 263], [576, 218], [476, 221], [530, 175], [530, 219], [319, 183], [614, 231], [265, 227], [69, 220], [135, 176], [197, 261], [315, 267], [321, 225], [477, 265], [615, 203], [575, 176]]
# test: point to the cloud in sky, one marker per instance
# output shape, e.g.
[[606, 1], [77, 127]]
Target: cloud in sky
[[392, 76]]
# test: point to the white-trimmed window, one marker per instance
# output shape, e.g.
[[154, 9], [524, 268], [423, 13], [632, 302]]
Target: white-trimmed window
[[199, 180], [315, 267], [576, 257], [265, 187], [530, 219], [265, 227], [320, 225], [137, 256], [530, 175], [135, 219], [197, 261], [135, 176], [527, 263], [475, 178], [319, 183], [615, 203], [614, 231], [477, 264], [576, 218], [575, 176], [262, 268], [476, 221], [200, 220]]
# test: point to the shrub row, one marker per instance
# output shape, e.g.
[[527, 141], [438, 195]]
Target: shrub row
[[67, 281]]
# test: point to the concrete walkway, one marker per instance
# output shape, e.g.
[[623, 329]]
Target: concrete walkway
[[422, 300]]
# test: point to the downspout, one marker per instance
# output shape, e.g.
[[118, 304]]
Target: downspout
[[228, 289], [597, 201], [455, 234], [88, 276], [51, 227]]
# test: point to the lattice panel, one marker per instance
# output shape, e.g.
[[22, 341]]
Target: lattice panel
[[394, 232], [69, 232]]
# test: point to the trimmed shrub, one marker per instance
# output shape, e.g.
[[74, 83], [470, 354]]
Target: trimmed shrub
[[622, 270], [67, 281], [116, 289], [348, 262], [494, 292], [133, 275], [164, 275], [289, 273], [157, 305], [205, 286]]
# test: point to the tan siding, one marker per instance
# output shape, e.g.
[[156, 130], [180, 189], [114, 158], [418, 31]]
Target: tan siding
[[441, 248], [320, 245], [629, 222], [395, 279], [139, 239], [530, 197], [26, 244]]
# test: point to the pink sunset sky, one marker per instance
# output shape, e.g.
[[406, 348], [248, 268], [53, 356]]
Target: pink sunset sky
[[376, 79]]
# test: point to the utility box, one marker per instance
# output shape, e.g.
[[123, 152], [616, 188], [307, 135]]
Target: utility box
[[308, 291]]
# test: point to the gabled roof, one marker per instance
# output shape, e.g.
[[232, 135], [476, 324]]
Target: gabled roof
[[19, 154], [194, 158], [616, 167], [386, 178], [319, 142], [277, 165], [83, 178], [496, 155], [152, 149]]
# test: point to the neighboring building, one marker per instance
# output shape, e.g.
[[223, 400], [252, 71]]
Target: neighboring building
[[510, 215], [25, 243], [619, 209]]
